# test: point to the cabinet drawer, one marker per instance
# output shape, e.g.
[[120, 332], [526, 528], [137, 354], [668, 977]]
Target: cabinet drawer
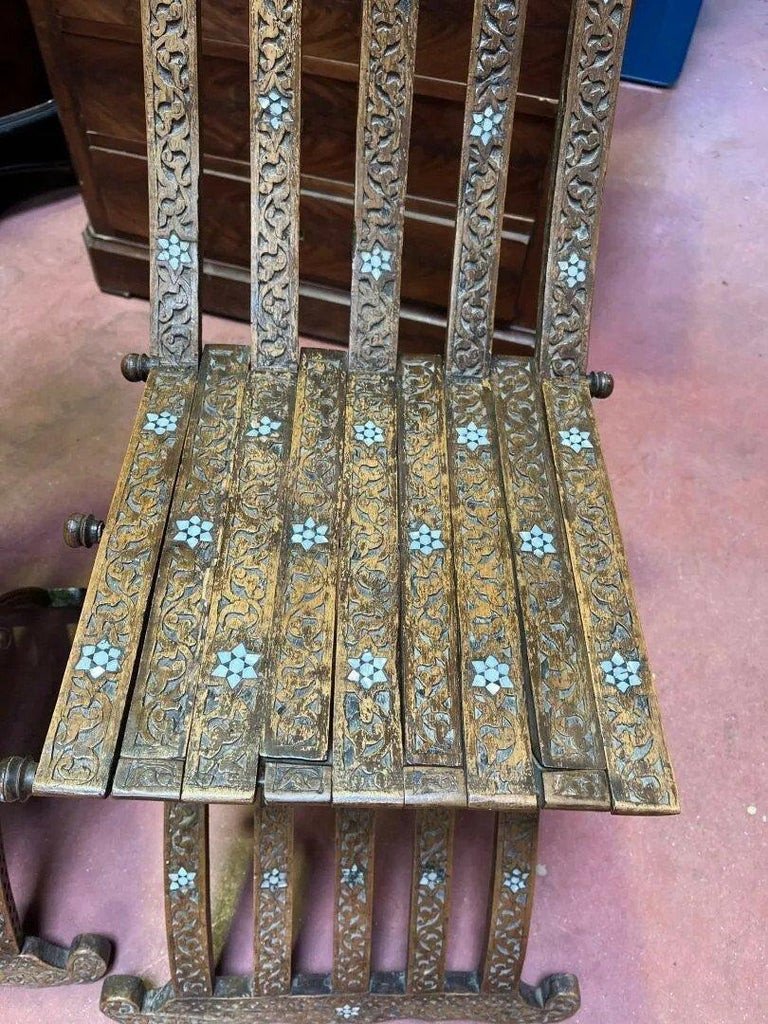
[[331, 31]]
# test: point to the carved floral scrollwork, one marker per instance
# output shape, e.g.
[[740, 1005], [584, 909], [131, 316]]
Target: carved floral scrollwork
[[600, 28], [367, 736], [275, 134], [555, 999], [638, 763], [300, 672], [512, 895], [186, 899], [171, 76], [494, 70], [273, 857], [431, 700], [384, 119], [563, 699], [354, 900], [496, 736], [429, 905]]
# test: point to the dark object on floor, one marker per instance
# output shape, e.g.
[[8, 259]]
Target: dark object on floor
[[366, 579], [659, 36], [33, 151]]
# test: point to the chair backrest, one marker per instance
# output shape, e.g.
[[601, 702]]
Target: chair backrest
[[388, 44]]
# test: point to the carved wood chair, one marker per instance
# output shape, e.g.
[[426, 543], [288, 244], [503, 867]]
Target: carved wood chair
[[358, 580]]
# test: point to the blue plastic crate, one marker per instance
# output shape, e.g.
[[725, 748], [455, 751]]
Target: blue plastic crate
[[659, 36]]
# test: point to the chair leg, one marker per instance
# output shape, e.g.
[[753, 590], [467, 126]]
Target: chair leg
[[511, 902], [28, 960], [430, 900], [354, 900], [352, 992], [187, 899], [273, 888]]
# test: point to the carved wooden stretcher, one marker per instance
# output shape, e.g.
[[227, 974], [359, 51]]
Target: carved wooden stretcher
[[359, 580]]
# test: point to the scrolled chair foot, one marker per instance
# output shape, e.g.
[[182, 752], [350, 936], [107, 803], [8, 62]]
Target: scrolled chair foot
[[88, 957], [122, 996], [42, 964], [557, 996]]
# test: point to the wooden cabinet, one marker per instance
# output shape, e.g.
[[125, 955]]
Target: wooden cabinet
[[93, 56]]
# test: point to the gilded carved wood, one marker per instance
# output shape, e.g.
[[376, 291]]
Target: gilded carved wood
[[299, 678], [275, 63], [639, 769], [556, 999], [430, 687], [494, 67], [383, 128], [428, 786], [354, 900], [430, 900], [367, 743], [288, 783], [85, 726], [187, 900], [569, 790], [229, 679], [171, 61], [496, 737], [154, 745], [273, 886], [567, 728], [511, 902], [591, 83], [354, 541]]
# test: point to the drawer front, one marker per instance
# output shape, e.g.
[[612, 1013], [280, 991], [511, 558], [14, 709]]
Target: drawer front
[[331, 31], [108, 83]]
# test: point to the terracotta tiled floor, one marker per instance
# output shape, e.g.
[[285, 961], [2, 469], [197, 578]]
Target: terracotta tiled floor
[[664, 921]]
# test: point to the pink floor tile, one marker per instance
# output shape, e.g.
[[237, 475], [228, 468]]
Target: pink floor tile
[[663, 920]]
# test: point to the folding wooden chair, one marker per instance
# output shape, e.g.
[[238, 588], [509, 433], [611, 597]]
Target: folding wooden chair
[[358, 580]]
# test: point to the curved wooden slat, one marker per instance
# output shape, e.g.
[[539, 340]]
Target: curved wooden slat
[[171, 71], [383, 128], [494, 68], [590, 86], [275, 63], [639, 769]]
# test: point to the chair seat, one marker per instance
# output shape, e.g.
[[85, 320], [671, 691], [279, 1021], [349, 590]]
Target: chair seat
[[361, 588]]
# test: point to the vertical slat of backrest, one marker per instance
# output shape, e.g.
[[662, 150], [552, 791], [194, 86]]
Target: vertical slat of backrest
[[171, 62], [275, 38], [587, 107], [494, 67], [273, 887], [383, 130], [187, 899], [354, 900]]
